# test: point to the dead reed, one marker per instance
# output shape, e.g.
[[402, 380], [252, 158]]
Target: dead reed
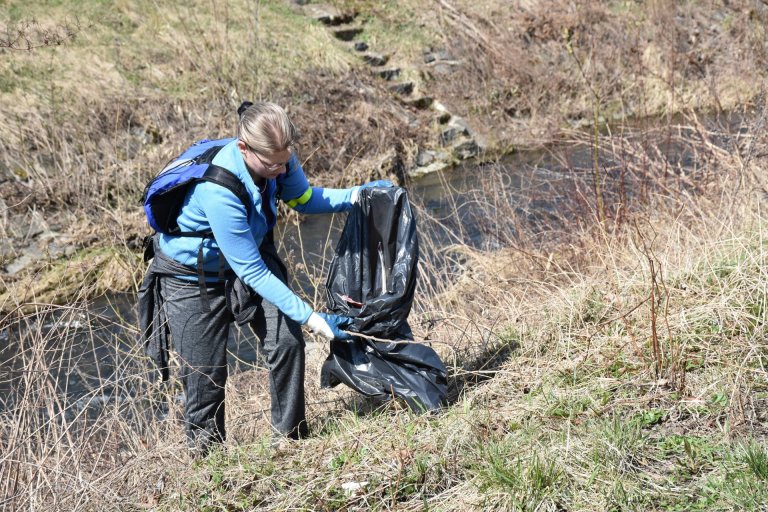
[[602, 357], [623, 350]]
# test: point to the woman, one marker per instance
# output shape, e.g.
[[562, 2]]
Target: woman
[[198, 315]]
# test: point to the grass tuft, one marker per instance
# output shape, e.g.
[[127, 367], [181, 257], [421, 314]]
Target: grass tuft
[[756, 457], [535, 483]]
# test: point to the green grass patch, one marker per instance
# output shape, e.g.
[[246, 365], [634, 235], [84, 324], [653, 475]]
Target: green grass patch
[[755, 456], [620, 444], [568, 407], [526, 484]]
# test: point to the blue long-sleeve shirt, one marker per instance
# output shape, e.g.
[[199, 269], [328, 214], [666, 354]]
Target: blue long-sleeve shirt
[[211, 206]]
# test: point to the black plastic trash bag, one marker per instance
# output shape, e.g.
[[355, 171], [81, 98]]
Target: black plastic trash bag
[[410, 371], [372, 280], [373, 274]]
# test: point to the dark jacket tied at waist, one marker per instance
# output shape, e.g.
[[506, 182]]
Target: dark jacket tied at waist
[[243, 303]]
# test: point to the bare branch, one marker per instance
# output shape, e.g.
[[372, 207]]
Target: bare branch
[[28, 35]]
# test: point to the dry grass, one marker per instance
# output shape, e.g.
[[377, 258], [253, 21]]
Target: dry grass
[[581, 416], [85, 124], [559, 399], [532, 67], [614, 365]]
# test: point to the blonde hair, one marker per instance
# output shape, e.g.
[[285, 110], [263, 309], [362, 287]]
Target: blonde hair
[[266, 129]]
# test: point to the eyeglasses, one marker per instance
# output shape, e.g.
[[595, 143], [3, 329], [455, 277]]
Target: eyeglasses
[[269, 167]]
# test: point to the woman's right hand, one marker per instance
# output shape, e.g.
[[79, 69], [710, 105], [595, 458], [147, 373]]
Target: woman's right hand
[[329, 326]]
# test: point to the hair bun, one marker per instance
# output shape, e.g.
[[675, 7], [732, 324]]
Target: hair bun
[[243, 107]]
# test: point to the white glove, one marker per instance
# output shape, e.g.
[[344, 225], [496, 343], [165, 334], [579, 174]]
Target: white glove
[[354, 195], [329, 326], [318, 325]]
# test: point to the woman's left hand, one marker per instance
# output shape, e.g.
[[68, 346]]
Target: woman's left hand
[[370, 184]]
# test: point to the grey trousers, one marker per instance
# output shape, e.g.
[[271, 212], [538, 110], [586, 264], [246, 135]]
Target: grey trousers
[[200, 339]]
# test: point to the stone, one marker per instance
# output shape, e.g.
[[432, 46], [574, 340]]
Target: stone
[[375, 59], [448, 135], [326, 14], [460, 125], [403, 88], [443, 55], [439, 107], [425, 157], [24, 261], [466, 149], [57, 245], [346, 33], [7, 251], [421, 103], [417, 172], [389, 74], [442, 69], [37, 225]]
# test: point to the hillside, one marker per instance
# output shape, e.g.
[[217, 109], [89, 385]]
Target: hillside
[[606, 344]]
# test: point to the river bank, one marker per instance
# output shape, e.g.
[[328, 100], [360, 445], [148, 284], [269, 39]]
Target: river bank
[[622, 369], [599, 296], [601, 350], [397, 91]]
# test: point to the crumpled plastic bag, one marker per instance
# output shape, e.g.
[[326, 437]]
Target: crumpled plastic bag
[[372, 280]]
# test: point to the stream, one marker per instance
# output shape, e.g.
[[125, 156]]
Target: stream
[[86, 350]]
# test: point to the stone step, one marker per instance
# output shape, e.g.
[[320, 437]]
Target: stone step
[[426, 157], [440, 67], [436, 166], [388, 74], [466, 149], [443, 114], [421, 103], [346, 33], [461, 125], [448, 135], [454, 128], [375, 59], [402, 89], [442, 55], [327, 14]]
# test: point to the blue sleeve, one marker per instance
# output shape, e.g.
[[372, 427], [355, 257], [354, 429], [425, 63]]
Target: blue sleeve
[[296, 192], [326, 200], [228, 219]]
